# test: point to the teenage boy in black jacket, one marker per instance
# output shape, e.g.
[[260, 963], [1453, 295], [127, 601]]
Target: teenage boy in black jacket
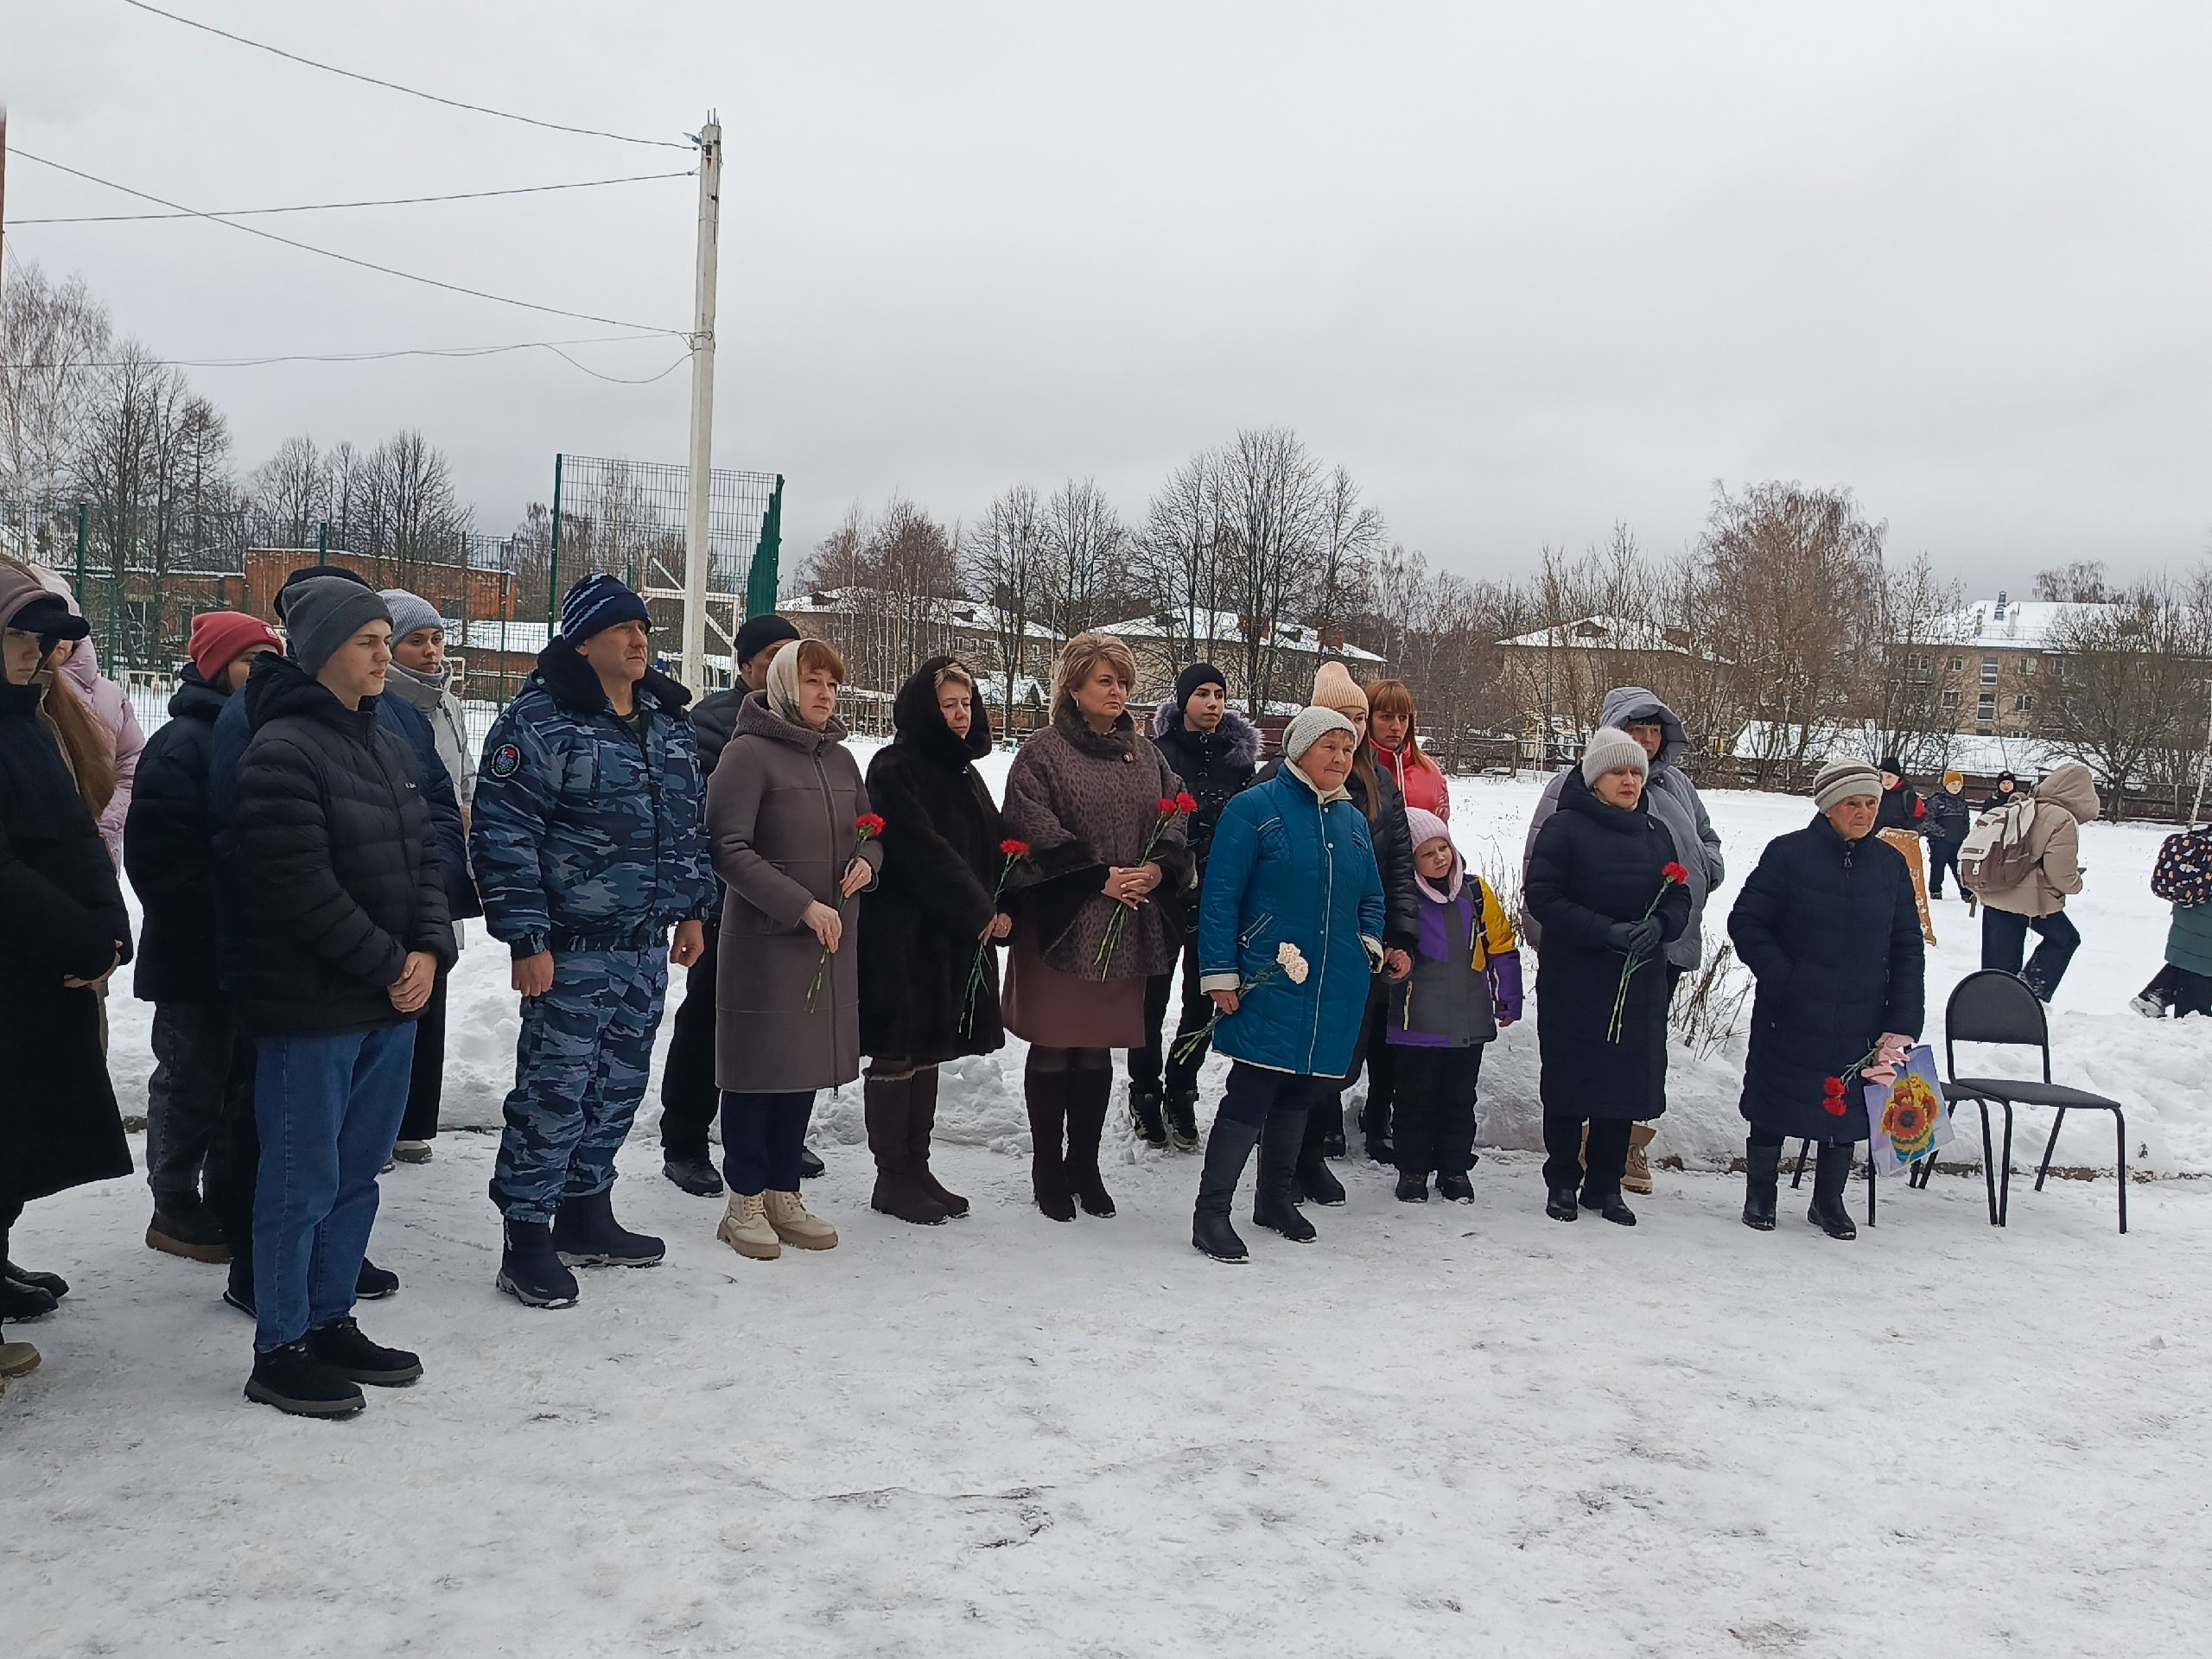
[[198, 1058], [345, 922]]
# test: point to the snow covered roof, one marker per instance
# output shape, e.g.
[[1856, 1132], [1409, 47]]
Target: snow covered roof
[[2018, 623], [1227, 628], [1027, 687], [940, 612], [1605, 633], [496, 635]]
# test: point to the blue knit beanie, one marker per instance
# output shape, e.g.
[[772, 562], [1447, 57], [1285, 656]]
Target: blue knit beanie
[[597, 602]]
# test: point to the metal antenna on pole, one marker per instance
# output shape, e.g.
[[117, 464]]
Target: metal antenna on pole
[[696, 524]]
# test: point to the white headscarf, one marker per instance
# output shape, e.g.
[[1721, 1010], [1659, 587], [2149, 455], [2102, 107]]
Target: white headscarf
[[783, 687]]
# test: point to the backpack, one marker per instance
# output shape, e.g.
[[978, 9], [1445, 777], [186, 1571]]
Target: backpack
[[2183, 875], [1998, 852]]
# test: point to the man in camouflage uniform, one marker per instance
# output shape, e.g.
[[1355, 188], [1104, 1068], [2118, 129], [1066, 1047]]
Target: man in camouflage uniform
[[589, 845]]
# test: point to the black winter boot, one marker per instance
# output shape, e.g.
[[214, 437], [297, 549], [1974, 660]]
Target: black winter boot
[[1608, 1203], [353, 1356], [1559, 1204], [1146, 1100], [586, 1234], [1088, 1095], [1762, 1180], [1228, 1148], [1325, 1125], [697, 1176], [886, 1108], [921, 1121], [1183, 1120], [23, 1300], [52, 1283], [809, 1167], [183, 1226], [1412, 1186], [293, 1380], [1315, 1180], [1831, 1173], [1048, 1168], [1275, 1200], [531, 1269], [373, 1283]]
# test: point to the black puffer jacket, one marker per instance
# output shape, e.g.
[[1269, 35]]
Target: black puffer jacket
[[1902, 808], [167, 847], [1393, 854], [1595, 864], [339, 867], [61, 915], [933, 896], [1831, 928], [1949, 817], [713, 720], [1213, 765]]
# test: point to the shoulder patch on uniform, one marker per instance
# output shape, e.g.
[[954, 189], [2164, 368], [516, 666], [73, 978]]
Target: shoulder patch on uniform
[[506, 760]]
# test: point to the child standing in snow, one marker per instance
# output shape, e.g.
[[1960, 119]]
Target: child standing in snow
[[1464, 986]]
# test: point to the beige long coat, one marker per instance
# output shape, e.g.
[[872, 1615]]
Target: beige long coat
[[780, 813]]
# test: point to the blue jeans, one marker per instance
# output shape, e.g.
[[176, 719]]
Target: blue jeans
[[762, 1138], [2004, 936], [328, 1106]]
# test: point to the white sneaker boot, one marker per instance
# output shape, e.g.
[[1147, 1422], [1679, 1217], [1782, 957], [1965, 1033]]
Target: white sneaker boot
[[787, 1214], [744, 1227]]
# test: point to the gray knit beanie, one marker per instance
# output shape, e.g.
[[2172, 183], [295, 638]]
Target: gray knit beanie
[[1306, 729], [1840, 780], [411, 612], [324, 613], [1609, 749]]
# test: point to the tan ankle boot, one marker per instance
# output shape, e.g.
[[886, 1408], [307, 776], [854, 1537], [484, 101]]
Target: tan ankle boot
[[1636, 1176], [787, 1215], [17, 1359], [744, 1227]]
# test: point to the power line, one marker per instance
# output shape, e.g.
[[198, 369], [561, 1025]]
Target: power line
[[394, 87], [552, 346], [384, 202], [347, 258]]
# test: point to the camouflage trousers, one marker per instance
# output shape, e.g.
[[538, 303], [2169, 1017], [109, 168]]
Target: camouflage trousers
[[580, 1072]]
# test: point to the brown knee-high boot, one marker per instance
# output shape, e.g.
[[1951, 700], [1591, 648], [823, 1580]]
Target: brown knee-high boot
[[887, 1109], [921, 1119], [1089, 1092]]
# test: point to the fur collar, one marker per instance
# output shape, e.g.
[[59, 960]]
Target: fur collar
[[1240, 739], [568, 680]]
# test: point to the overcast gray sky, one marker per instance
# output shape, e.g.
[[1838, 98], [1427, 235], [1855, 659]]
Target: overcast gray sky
[[1525, 268]]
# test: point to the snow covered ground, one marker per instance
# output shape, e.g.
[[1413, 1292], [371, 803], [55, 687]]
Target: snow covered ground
[[1446, 1430]]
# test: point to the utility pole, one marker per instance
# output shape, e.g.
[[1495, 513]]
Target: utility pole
[[696, 525], [2203, 760]]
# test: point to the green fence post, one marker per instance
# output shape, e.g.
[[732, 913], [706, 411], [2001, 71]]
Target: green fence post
[[83, 520], [553, 564], [322, 543], [761, 581]]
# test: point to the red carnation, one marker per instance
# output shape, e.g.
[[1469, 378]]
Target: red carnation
[[1833, 1088], [1014, 849], [1836, 1107], [869, 824], [1676, 873], [1164, 807], [1187, 802]]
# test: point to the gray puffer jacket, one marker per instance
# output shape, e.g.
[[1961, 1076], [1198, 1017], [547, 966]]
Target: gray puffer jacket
[[1674, 800]]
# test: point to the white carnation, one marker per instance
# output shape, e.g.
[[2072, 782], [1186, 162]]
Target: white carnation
[[1289, 959]]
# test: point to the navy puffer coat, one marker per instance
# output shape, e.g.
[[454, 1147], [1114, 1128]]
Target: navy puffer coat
[[1831, 930], [1286, 869]]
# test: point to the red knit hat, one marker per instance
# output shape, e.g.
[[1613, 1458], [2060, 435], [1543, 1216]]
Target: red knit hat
[[219, 637]]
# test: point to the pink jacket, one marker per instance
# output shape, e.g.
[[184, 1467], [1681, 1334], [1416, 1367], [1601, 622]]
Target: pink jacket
[[110, 705], [1422, 785]]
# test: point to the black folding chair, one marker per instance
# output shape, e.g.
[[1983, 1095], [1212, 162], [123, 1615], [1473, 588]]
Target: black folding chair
[[1797, 1179], [1994, 1007]]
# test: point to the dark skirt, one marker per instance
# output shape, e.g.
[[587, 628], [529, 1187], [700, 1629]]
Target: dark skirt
[[1058, 1010]]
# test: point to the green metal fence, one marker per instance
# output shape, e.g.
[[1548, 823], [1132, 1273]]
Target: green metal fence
[[630, 518]]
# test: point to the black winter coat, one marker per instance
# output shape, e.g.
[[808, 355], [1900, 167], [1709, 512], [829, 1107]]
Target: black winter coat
[[60, 915], [1831, 928], [1949, 817], [1213, 765], [1902, 808], [339, 872], [933, 895], [713, 720], [1393, 854], [1595, 864], [168, 849]]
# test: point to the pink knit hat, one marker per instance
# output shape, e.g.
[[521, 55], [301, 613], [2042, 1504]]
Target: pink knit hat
[[1424, 827], [1334, 688]]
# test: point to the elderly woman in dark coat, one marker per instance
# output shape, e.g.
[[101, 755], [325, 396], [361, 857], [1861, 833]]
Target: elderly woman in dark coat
[[1830, 926], [1605, 885], [65, 932], [934, 907], [1097, 913], [783, 809]]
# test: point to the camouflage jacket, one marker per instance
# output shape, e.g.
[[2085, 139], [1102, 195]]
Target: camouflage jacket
[[586, 834]]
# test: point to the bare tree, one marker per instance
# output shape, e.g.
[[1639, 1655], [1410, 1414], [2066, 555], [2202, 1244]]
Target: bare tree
[[2081, 582], [1274, 506], [1085, 544], [1176, 557], [1002, 563], [2131, 676], [422, 518], [52, 335], [839, 559], [1919, 615], [1352, 537], [289, 494]]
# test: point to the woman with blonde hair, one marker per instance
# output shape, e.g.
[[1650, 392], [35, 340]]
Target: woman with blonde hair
[[1098, 909]]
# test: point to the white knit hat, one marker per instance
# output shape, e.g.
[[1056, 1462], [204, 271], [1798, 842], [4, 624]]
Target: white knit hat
[[1609, 749], [1306, 730], [1840, 780]]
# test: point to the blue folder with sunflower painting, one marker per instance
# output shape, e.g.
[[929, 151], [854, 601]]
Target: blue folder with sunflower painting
[[1905, 1117]]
